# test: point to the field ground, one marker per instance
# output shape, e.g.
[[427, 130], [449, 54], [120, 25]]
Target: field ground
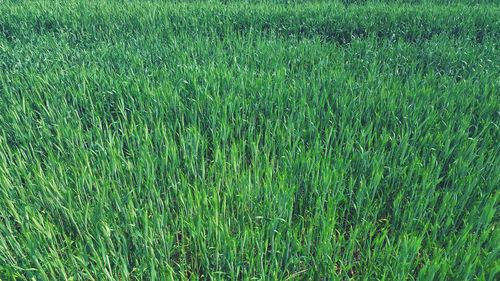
[[249, 140]]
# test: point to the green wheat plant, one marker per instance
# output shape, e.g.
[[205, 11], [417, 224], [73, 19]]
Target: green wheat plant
[[249, 140]]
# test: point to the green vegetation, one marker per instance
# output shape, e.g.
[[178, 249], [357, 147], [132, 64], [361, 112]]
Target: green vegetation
[[269, 140]]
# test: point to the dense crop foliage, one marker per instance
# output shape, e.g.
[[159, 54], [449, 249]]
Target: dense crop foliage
[[271, 140]]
